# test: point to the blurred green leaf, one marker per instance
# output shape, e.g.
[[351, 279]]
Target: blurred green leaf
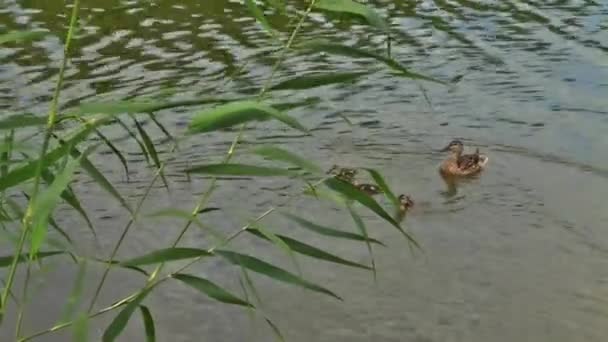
[[275, 330], [21, 121], [101, 180], [312, 81], [45, 203], [166, 254], [239, 170], [311, 251], [70, 198], [116, 151], [114, 108], [384, 187], [354, 8], [348, 51], [361, 227], [279, 154], [7, 260], [263, 233], [234, 113], [278, 4], [274, 272], [148, 323], [329, 231], [120, 321], [210, 289], [80, 330], [259, 16], [351, 192], [21, 36], [21, 174], [176, 213], [150, 149]]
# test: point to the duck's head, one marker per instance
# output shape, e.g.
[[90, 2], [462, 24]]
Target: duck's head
[[455, 146]]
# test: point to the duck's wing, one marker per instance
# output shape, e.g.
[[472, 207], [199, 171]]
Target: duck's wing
[[468, 161]]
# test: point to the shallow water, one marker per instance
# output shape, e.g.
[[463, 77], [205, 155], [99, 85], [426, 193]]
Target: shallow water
[[519, 254]]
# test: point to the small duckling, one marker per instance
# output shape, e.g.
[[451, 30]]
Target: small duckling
[[405, 203], [343, 173]]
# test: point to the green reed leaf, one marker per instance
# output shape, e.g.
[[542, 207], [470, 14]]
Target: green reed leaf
[[278, 4], [351, 192], [148, 323], [211, 289], [151, 150], [100, 179], [354, 8], [182, 214], [312, 81], [45, 203], [122, 124], [7, 260], [279, 154], [21, 121], [274, 272], [258, 14], [115, 108], [239, 170], [120, 321], [234, 113], [80, 329], [166, 254], [330, 231], [363, 229], [311, 251], [114, 150], [70, 198], [21, 36], [21, 174], [275, 330], [384, 187], [265, 234], [348, 51]]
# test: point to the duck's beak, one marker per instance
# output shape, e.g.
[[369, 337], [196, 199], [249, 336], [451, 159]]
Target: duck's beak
[[445, 149]]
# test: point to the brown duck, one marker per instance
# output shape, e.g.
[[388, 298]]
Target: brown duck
[[459, 164]]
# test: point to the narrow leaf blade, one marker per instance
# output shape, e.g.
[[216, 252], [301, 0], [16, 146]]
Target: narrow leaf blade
[[326, 231], [148, 323], [238, 112], [239, 170], [274, 272], [211, 289], [279, 154], [166, 254]]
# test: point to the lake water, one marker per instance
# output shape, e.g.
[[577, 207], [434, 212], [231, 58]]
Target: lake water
[[520, 254]]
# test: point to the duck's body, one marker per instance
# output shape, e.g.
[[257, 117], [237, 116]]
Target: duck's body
[[459, 164]]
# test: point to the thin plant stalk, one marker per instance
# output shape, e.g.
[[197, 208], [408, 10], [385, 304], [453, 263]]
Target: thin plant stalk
[[52, 118]]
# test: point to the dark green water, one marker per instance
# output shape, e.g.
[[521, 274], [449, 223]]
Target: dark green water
[[520, 254]]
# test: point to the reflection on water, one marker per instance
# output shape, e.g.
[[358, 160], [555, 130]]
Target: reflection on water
[[518, 253]]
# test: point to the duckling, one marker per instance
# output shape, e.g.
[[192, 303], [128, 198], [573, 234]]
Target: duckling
[[405, 203], [459, 164], [343, 173]]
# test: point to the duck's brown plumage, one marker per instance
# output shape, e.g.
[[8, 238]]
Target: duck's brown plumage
[[459, 164]]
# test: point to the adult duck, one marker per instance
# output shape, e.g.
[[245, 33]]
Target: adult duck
[[459, 164]]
